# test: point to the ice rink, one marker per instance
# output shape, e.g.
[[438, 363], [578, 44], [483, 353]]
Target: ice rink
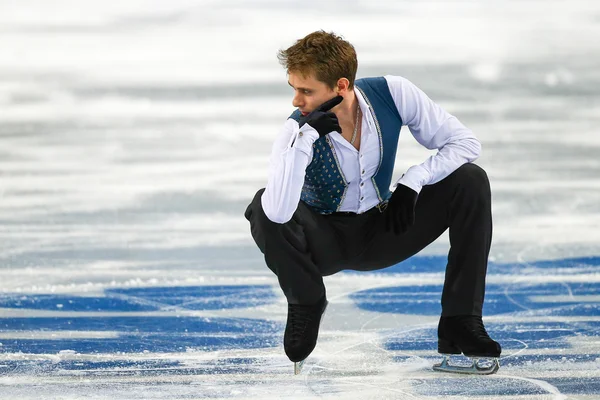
[[134, 133]]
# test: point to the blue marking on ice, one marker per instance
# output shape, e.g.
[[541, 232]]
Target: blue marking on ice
[[134, 368], [202, 297], [432, 264], [581, 385], [71, 303], [135, 324], [138, 334], [157, 334], [148, 299], [143, 333], [546, 335], [499, 299]]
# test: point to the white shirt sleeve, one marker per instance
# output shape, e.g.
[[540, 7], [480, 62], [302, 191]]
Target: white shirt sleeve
[[292, 152], [433, 128]]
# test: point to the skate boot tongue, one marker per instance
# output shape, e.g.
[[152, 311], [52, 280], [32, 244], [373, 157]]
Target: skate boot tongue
[[299, 318]]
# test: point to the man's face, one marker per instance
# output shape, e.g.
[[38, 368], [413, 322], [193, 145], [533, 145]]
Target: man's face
[[309, 93]]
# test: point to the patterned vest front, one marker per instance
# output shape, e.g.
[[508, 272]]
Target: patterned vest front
[[325, 186]]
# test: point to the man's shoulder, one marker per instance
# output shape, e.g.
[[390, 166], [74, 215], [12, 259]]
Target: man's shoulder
[[369, 80], [378, 93], [377, 82], [373, 85], [383, 79]]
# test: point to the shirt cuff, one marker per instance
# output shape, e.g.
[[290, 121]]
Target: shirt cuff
[[415, 178], [304, 138]]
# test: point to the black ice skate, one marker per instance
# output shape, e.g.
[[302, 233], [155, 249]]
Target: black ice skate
[[301, 331], [466, 334]]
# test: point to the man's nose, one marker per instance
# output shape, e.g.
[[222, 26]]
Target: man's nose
[[297, 101]]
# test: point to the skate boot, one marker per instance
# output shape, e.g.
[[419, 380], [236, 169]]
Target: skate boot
[[466, 334], [302, 330]]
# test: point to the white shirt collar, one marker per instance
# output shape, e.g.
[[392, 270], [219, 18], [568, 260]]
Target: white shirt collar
[[364, 107], [361, 100]]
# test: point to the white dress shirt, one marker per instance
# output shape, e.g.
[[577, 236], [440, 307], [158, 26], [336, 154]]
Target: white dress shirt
[[430, 125]]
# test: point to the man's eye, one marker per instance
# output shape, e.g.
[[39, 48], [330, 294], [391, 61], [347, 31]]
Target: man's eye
[[306, 92]]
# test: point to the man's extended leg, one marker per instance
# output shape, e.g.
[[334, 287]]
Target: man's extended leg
[[461, 202]]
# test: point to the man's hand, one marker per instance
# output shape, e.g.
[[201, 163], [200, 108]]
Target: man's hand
[[323, 120], [401, 209]]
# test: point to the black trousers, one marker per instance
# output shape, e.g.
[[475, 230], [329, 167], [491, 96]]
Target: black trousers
[[311, 245]]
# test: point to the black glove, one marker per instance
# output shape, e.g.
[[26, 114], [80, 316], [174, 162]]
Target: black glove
[[323, 120], [401, 209]]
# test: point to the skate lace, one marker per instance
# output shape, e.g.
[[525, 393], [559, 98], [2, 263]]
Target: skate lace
[[478, 329], [300, 317]]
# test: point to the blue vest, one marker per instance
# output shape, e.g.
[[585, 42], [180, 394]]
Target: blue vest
[[325, 185]]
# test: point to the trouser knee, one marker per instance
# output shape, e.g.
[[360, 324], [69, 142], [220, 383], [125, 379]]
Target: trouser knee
[[261, 227], [474, 179], [254, 211]]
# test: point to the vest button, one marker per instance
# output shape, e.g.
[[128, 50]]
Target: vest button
[[300, 134]]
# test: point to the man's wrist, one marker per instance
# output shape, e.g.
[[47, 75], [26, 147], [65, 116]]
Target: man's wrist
[[413, 178], [305, 137]]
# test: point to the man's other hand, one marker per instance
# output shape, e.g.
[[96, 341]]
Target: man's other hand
[[401, 209]]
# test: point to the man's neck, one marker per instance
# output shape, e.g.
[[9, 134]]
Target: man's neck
[[347, 111]]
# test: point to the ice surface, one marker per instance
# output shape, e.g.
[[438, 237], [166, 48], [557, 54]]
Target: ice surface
[[133, 135]]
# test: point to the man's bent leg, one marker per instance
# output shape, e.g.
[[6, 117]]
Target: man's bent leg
[[470, 220], [461, 329], [287, 252]]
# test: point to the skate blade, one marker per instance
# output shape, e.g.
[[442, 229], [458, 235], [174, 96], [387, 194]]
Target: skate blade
[[474, 369], [298, 367]]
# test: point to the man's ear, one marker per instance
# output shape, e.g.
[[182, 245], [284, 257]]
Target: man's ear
[[342, 86]]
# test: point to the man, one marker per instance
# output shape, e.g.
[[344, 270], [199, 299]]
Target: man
[[327, 205]]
